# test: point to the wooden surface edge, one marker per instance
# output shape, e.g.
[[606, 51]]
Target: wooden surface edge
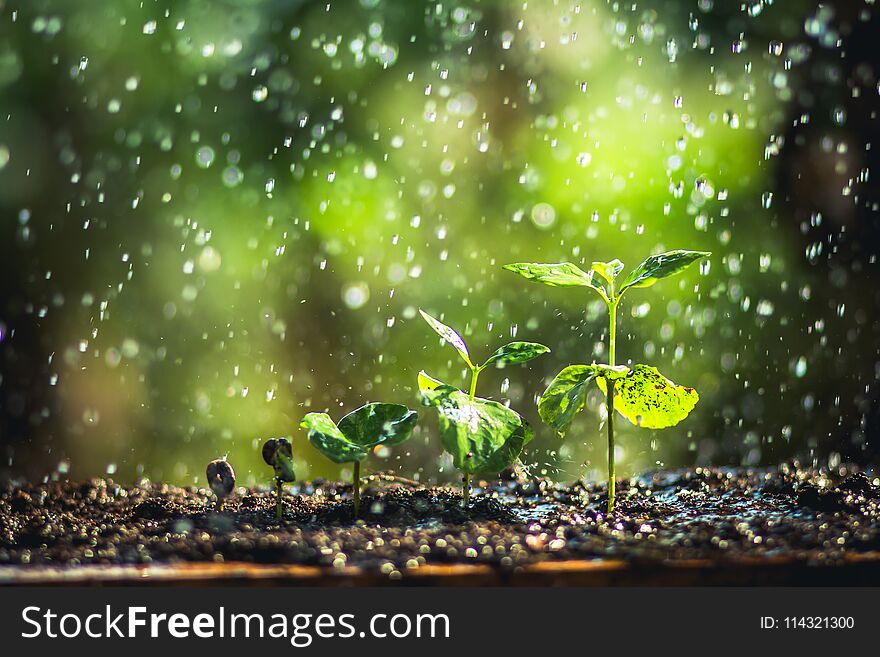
[[861, 569]]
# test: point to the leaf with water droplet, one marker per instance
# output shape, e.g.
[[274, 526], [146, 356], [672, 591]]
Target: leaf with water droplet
[[450, 335], [648, 399], [480, 434], [660, 266], [515, 353]]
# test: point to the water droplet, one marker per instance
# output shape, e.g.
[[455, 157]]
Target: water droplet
[[232, 176], [356, 295], [205, 156], [543, 215], [209, 259]]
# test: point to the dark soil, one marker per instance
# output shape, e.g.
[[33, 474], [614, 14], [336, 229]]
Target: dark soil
[[705, 513]]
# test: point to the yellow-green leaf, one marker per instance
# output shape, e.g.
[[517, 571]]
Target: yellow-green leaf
[[648, 399], [428, 382]]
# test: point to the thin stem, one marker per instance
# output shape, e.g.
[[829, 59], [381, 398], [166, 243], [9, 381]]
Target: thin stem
[[357, 488], [610, 407], [219, 505], [466, 479], [278, 507], [609, 400], [612, 332], [475, 374]]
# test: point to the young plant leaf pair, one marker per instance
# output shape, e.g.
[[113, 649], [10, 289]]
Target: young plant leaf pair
[[358, 433], [566, 274], [481, 435], [641, 394]]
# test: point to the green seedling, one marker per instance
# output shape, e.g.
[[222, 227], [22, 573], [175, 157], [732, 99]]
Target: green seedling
[[480, 434], [641, 394], [278, 453], [357, 433], [221, 479]]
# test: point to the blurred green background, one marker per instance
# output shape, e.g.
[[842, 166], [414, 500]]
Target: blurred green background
[[219, 216]]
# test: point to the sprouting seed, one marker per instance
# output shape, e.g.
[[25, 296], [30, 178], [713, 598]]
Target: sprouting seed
[[278, 453], [221, 479]]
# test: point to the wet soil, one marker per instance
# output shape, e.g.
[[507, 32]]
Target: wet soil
[[724, 515]]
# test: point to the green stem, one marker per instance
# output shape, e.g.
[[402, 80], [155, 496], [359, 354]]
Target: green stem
[[278, 507], [612, 332], [609, 400], [357, 488], [475, 374], [466, 479]]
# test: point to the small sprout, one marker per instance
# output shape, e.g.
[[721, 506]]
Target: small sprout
[[480, 434], [641, 394], [359, 432], [221, 479], [278, 453]]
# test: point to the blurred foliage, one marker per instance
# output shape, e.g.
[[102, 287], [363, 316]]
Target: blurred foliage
[[219, 216]]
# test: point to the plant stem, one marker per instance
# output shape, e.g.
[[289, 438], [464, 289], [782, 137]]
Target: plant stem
[[278, 507], [612, 332], [475, 374], [612, 344], [357, 488], [466, 479], [610, 402], [219, 506]]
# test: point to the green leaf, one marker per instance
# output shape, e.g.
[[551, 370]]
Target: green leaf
[[360, 431], [660, 266], [565, 397], [330, 441], [608, 270], [427, 382], [515, 353], [561, 274], [379, 424], [450, 335], [480, 434], [650, 400]]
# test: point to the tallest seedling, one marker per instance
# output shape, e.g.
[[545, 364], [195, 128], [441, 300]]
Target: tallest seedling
[[641, 394]]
